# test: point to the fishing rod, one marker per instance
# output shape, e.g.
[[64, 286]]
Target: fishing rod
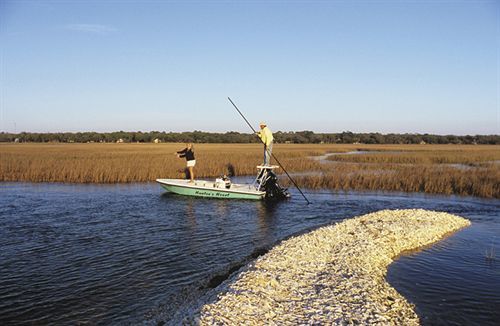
[[277, 161]]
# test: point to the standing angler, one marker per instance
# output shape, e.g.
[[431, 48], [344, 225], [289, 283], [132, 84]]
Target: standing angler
[[188, 153], [267, 138]]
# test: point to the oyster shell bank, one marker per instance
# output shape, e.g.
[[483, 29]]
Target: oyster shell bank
[[333, 275]]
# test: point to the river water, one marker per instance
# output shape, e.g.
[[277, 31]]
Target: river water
[[114, 254]]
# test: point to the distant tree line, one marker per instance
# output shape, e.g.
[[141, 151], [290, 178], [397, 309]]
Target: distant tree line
[[298, 137]]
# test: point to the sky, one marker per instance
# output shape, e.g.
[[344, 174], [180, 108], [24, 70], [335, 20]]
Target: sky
[[326, 66]]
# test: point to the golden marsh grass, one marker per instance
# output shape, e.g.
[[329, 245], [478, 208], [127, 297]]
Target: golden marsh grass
[[446, 169], [110, 163], [481, 182]]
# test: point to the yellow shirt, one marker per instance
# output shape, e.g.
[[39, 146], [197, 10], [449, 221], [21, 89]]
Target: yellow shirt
[[266, 135]]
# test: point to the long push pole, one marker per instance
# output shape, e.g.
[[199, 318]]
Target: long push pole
[[277, 161]]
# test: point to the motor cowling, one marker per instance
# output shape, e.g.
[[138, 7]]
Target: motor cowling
[[272, 188]]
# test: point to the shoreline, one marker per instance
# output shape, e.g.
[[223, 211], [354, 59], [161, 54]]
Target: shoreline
[[311, 191], [334, 274]]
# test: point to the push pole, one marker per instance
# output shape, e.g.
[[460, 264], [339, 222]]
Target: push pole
[[277, 161]]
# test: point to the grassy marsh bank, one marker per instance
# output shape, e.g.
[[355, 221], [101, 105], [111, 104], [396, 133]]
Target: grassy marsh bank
[[435, 179], [441, 169], [333, 275], [111, 163], [446, 169]]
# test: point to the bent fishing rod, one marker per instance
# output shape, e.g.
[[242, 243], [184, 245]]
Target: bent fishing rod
[[277, 161]]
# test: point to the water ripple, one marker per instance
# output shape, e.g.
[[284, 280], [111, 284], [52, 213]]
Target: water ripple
[[114, 254]]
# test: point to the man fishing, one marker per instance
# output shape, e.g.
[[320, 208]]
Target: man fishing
[[267, 138], [188, 153]]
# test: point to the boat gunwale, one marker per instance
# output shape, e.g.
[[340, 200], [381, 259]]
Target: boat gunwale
[[254, 192]]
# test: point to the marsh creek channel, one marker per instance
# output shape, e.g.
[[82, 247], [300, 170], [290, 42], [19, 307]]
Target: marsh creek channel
[[114, 254]]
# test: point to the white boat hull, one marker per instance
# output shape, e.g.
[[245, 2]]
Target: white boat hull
[[209, 189]]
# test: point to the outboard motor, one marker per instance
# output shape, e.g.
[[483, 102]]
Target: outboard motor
[[269, 183]]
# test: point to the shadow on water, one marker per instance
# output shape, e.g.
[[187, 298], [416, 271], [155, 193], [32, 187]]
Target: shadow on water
[[112, 254]]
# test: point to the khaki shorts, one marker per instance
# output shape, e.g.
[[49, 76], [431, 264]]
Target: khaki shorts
[[191, 163]]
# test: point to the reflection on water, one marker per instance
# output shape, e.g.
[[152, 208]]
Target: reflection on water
[[113, 254]]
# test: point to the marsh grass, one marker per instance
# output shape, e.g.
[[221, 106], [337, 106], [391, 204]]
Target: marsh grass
[[408, 168], [111, 163], [442, 169], [428, 179], [464, 156]]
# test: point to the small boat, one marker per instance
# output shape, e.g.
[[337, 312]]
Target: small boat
[[265, 186]]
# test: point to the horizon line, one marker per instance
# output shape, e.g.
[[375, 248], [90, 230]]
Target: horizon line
[[239, 132]]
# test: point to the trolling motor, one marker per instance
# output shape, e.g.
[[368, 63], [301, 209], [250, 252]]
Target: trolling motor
[[268, 181]]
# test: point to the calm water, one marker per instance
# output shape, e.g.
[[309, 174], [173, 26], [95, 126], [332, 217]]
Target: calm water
[[114, 254]]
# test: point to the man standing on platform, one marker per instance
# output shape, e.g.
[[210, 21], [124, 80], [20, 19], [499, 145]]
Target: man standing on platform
[[267, 138]]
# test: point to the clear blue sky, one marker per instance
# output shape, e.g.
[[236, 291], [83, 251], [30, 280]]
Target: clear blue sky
[[326, 66]]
